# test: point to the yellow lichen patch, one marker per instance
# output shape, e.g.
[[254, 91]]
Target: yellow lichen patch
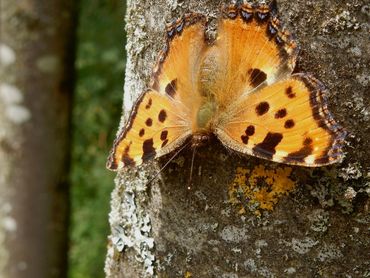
[[188, 274], [259, 188]]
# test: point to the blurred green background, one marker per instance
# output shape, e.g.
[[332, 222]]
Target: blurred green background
[[98, 100]]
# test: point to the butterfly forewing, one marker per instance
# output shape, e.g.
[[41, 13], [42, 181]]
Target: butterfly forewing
[[176, 71], [253, 49]]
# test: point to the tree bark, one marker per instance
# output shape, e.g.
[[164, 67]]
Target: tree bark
[[37, 58], [318, 230]]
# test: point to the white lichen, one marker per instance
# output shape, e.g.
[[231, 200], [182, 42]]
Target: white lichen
[[10, 94], [11, 99], [17, 114], [250, 265], [352, 172], [319, 220], [230, 275], [7, 55], [290, 270], [350, 194], [363, 79], [261, 271], [234, 234], [303, 246], [329, 253], [341, 22], [131, 225], [9, 224]]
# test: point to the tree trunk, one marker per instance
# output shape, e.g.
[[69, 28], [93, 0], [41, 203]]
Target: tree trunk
[[37, 57], [221, 227]]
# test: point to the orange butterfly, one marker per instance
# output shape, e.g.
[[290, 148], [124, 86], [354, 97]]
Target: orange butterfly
[[239, 88]]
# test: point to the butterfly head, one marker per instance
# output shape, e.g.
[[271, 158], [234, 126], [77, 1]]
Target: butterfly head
[[200, 139]]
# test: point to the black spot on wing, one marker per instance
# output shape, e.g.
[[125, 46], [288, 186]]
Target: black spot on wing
[[256, 77], [289, 92], [289, 124], [148, 150], [164, 143], [164, 135], [149, 104], [149, 122], [245, 139], [323, 160], [141, 132], [267, 147], [126, 159], [280, 113], [307, 141], [171, 88], [162, 116], [250, 130], [262, 108], [302, 153]]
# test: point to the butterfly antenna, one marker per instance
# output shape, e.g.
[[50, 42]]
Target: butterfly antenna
[[191, 168], [166, 164]]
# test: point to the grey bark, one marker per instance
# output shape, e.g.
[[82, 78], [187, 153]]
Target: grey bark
[[37, 56], [319, 230]]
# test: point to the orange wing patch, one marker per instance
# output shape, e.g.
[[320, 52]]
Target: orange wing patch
[[285, 122], [254, 50], [154, 129], [178, 62]]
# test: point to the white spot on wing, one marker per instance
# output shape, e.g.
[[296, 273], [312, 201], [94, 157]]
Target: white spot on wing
[[280, 154], [310, 159]]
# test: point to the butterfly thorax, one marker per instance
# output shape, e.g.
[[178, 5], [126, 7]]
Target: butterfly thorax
[[209, 73]]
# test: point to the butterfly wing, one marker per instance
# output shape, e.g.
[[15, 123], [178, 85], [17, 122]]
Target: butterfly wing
[[176, 70], [270, 113], [287, 122], [155, 127], [161, 118], [254, 49]]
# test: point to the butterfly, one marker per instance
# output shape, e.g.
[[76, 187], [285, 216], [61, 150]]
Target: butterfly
[[239, 88]]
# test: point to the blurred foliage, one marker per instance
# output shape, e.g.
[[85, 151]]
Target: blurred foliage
[[97, 109]]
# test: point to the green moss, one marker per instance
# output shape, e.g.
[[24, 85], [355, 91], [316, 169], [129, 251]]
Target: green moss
[[97, 109]]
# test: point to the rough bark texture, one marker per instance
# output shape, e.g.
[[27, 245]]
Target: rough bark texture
[[37, 56], [319, 230]]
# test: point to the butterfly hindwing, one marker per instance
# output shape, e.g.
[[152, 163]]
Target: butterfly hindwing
[[287, 122], [156, 126]]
